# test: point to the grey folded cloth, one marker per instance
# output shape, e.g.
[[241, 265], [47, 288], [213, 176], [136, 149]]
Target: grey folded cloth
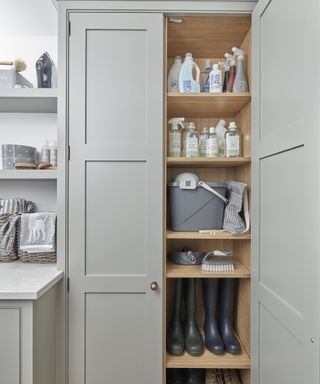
[[233, 222], [16, 205], [186, 257], [38, 232], [7, 233]]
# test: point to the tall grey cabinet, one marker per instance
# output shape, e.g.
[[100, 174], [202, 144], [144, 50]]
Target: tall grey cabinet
[[114, 108]]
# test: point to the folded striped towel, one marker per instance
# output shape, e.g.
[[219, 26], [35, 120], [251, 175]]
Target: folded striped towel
[[16, 205]]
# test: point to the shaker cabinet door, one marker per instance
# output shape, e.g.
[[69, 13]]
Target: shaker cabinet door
[[286, 187], [115, 198]]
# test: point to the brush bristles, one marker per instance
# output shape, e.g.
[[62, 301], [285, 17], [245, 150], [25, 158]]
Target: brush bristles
[[217, 267], [19, 65]]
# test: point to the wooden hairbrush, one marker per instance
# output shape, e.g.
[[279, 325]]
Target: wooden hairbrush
[[18, 64]]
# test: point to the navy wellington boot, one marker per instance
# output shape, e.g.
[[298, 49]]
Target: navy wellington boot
[[226, 302], [213, 339]]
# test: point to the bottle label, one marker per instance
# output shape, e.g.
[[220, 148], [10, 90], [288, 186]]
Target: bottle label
[[186, 85], [174, 144], [233, 146], [192, 147], [221, 145], [212, 147], [173, 85], [215, 82], [202, 145]]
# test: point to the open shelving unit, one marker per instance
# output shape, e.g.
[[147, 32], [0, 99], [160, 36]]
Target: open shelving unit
[[209, 37]]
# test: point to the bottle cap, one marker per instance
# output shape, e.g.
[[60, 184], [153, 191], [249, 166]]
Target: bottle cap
[[215, 66], [188, 55], [232, 125], [177, 58], [211, 129], [205, 130]]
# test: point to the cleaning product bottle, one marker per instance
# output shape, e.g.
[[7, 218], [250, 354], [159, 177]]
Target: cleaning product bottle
[[191, 142], [212, 144], [226, 72], [187, 84], [233, 141], [45, 153], [204, 77], [173, 77], [53, 154], [203, 141], [215, 79], [232, 74], [240, 82], [175, 137], [220, 132]]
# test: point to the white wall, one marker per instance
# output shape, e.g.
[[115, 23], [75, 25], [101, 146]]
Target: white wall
[[28, 28]]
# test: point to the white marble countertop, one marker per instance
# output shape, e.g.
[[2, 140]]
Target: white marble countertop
[[22, 281]]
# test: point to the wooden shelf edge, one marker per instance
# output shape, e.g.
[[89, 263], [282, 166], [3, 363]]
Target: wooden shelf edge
[[209, 95], [207, 162], [188, 271], [214, 235]]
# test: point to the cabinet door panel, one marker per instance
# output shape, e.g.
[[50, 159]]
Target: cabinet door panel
[[116, 202], [285, 298]]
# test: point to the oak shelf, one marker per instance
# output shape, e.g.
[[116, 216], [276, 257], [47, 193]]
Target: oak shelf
[[206, 104], [195, 271], [209, 360], [215, 162], [214, 235]]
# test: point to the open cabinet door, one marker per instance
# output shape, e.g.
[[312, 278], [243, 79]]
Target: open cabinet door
[[285, 201]]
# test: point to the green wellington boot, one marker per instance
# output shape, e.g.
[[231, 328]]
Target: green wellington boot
[[193, 340], [175, 337]]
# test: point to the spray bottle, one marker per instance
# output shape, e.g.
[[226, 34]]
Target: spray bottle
[[240, 82], [226, 71], [175, 136]]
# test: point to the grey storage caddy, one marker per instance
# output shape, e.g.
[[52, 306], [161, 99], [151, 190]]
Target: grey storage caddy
[[196, 205]]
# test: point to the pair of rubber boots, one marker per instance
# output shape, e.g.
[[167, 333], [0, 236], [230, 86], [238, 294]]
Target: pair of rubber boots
[[184, 336], [218, 296], [185, 376]]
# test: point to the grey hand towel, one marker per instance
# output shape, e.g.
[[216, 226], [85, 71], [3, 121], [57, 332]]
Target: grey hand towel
[[233, 221], [38, 232], [7, 233]]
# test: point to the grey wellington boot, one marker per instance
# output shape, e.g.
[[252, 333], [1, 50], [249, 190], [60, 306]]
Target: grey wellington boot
[[193, 339], [175, 337]]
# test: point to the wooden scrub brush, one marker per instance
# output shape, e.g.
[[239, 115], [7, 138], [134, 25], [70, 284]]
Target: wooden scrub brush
[[211, 263], [18, 64]]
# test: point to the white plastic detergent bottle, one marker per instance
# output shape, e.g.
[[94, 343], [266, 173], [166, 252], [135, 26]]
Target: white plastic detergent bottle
[[173, 77], [187, 83]]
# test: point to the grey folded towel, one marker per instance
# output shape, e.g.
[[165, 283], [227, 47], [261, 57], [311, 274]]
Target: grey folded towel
[[233, 222], [7, 233], [38, 232], [16, 205]]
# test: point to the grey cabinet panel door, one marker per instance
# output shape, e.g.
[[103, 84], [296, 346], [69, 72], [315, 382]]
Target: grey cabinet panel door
[[285, 292], [115, 198]]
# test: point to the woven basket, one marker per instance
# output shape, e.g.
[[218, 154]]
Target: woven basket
[[214, 376], [4, 217], [230, 376], [39, 257]]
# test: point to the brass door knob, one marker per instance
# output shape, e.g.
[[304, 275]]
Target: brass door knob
[[154, 286]]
